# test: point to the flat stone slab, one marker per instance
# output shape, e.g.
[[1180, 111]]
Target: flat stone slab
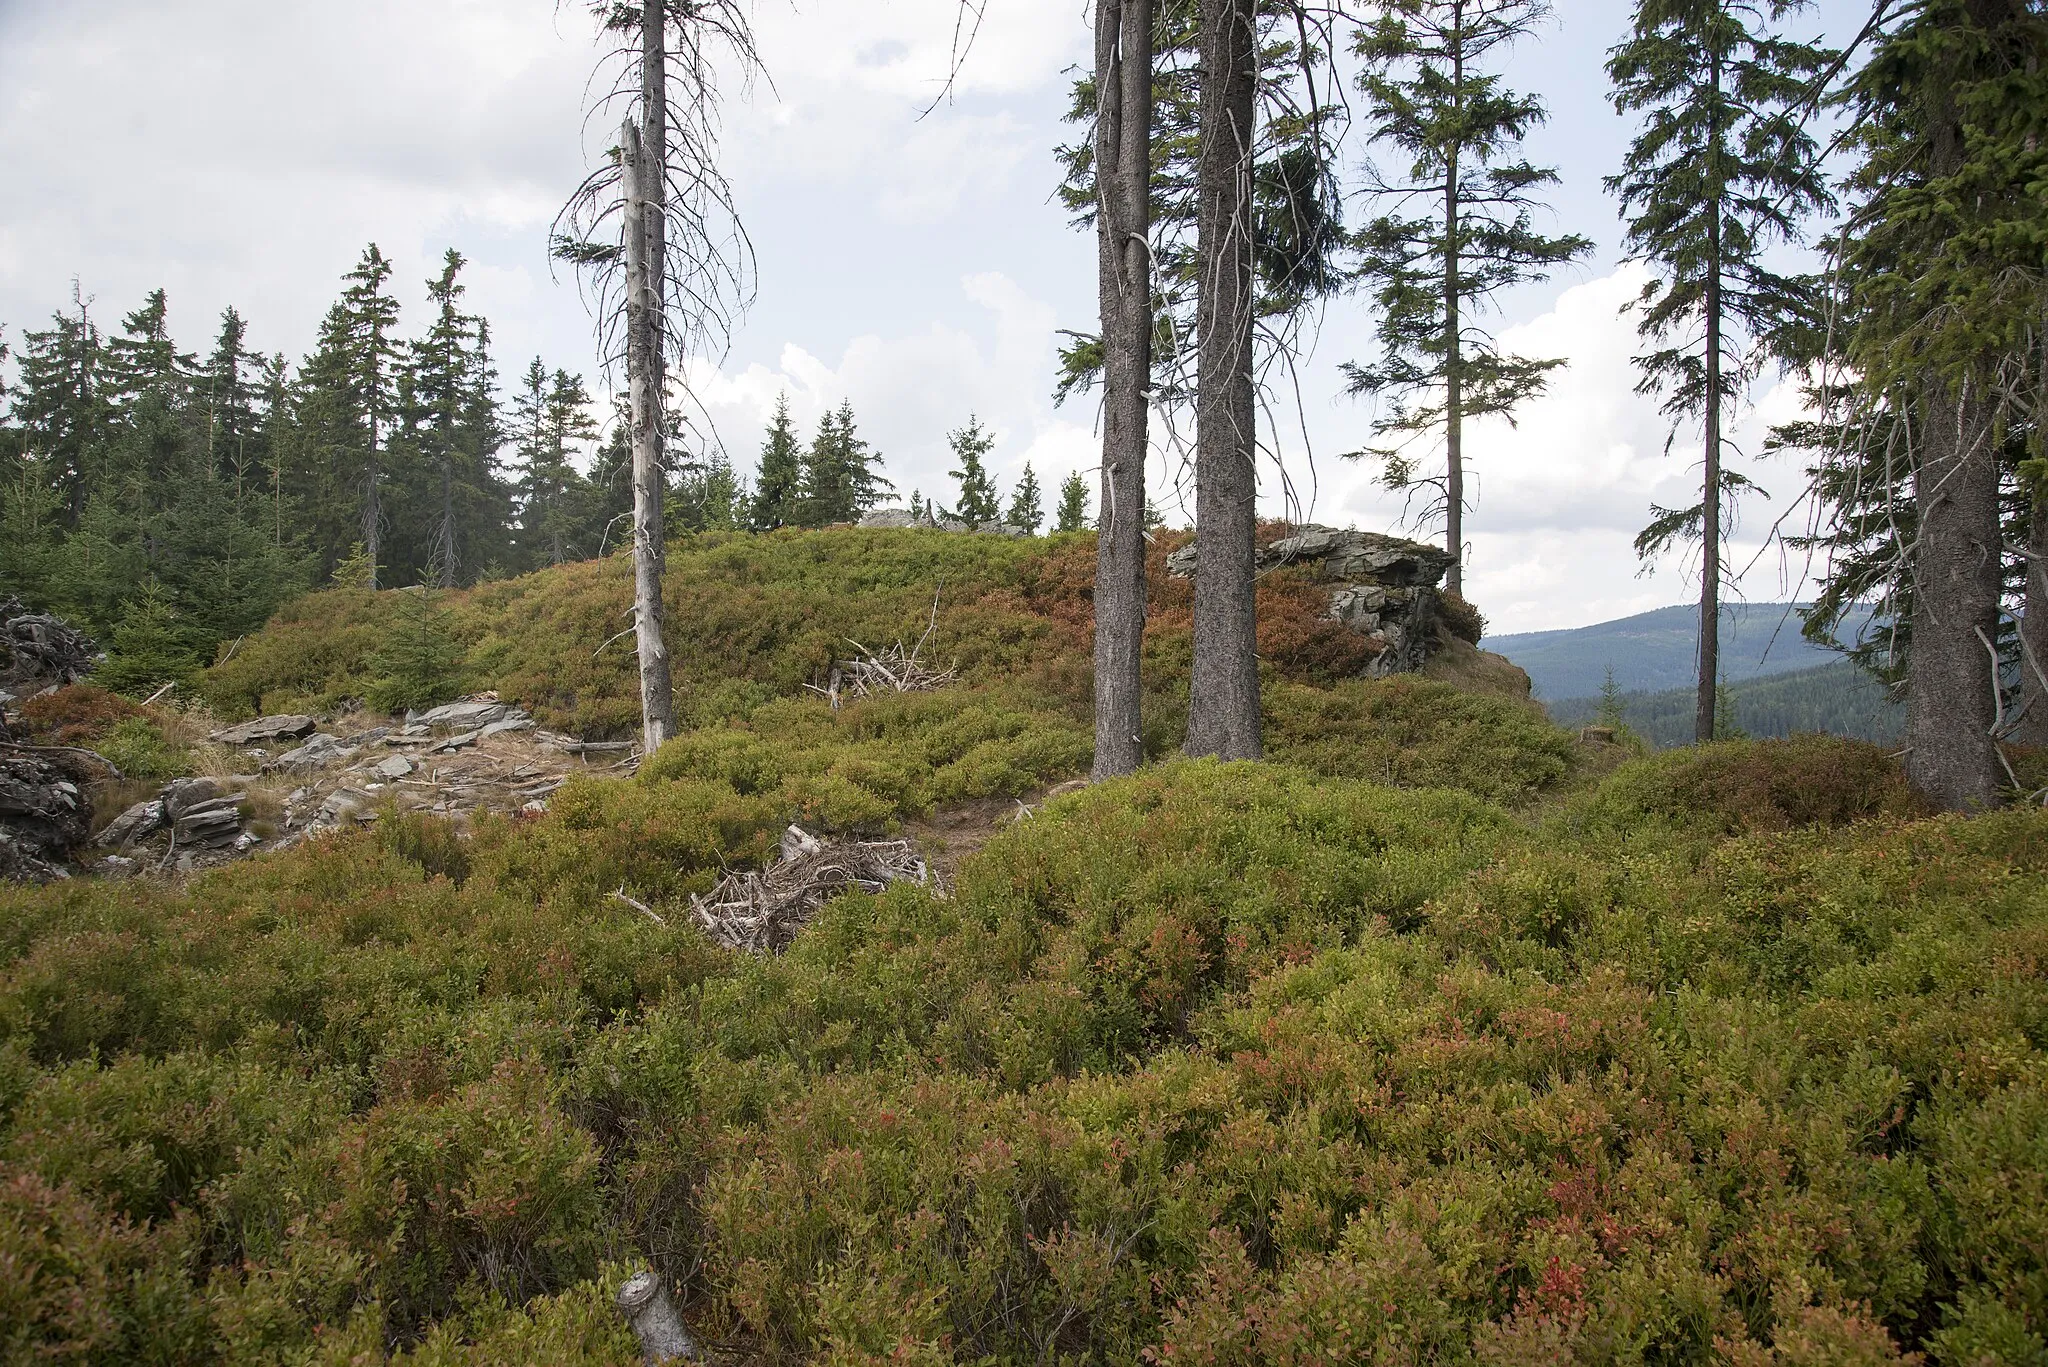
[[320, 749], [285, 726], [463, 716]]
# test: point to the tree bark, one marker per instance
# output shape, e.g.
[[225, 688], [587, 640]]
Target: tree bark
[[373, 506], [2033, 724], [657, 697], [1454, 374], [1710, 500], [1223, 704], [1123, 149], [1956, 574]]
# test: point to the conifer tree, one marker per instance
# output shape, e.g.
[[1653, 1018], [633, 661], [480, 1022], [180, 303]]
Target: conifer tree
[[1073, 510], [551, 422], [971, 444], [1459, 234], [841, 474], [707, 495], [778, 484], [1941, 297], [367, 317], [1027, 510], [455, 507], [1722, 171], [149, 646], [60, 403], [420, 664], [234, 435]]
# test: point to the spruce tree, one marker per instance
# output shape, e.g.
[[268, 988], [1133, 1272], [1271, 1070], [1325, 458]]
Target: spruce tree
[[1722, 171], [841, 474], [1937, 319], [453, 505], [367, 318], [420, 663], [1027, 511], [1437, 110], [1073, 510], [60, 403], [778, 484], [150, 645], [977, 506], [234, 436], [550, 422]]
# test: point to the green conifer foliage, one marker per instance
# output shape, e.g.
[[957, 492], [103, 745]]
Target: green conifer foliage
[[1460, 234], [778, 486], [971, 445], [841, 474], [1073, 510], [1722, 171], [420, 665], [150, 647], [551, 422], [1027, 509]]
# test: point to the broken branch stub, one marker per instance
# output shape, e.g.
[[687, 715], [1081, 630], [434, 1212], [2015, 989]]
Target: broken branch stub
[[663, 1336]]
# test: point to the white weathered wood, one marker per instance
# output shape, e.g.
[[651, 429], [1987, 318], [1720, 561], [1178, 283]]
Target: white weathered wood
[[643, 377]]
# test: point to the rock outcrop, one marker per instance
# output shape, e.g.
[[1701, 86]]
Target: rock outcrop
[[942, 522], [1384, 587], [39, 652], [44, 816]]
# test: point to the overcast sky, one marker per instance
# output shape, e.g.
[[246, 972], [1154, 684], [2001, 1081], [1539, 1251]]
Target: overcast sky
[[242, 152]]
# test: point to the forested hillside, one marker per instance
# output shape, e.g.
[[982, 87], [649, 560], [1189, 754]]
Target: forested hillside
[[1651, 652], [1837, 698], [171, 501]]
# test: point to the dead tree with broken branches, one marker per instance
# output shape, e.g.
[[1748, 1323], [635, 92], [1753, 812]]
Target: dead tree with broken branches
[[658, 241]]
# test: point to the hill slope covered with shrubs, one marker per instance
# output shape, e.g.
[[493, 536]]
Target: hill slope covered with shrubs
[[1423, 1043]]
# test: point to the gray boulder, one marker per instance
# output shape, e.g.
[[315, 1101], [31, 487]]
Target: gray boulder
[[1382, 586], [138, 821], [285, 726], [319, 749], [463, 716], [211, 824]]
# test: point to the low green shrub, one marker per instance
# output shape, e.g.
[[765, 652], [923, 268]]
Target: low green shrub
[[139, 749]]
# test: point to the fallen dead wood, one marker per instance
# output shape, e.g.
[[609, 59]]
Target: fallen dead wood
[[892, 669], [761, 913]]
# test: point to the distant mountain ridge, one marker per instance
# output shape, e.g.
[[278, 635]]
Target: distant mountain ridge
[[1658, 650], [1837, 698]]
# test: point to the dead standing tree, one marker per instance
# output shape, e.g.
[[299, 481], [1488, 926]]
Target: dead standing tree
[[655, 231]]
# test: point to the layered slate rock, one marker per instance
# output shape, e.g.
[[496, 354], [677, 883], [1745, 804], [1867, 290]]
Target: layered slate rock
[[39, 652], [289, 726], [1382, 586], [44, 815]]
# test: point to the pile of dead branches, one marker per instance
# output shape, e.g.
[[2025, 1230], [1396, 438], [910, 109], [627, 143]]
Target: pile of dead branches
[[893, 669], [762, 912]]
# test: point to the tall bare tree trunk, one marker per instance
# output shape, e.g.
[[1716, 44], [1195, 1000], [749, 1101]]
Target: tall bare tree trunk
[[646, 176], [1956, 573], [1710, 504], [373, 506], [2033, 725], [1123, 149], [1223, 705], [1454, 371], [657, 697]]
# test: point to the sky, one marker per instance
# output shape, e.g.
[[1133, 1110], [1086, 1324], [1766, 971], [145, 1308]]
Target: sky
[[242, 152]]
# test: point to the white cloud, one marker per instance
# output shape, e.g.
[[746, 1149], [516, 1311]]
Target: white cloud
[[909, 390]]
